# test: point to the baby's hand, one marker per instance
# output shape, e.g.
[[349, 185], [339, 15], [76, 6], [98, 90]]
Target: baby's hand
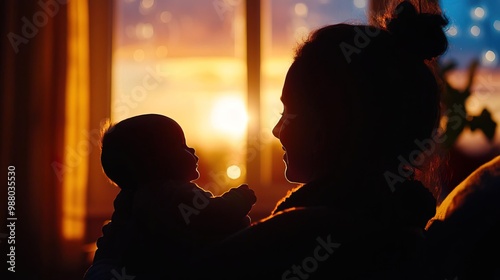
[[247, 193]]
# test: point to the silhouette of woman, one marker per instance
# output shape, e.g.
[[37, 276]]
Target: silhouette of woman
[[361, 107]]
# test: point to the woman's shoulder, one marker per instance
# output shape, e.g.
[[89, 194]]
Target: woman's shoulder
[[467, 223], [477, 196]]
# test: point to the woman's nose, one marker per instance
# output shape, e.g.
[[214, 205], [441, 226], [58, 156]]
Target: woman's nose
[[277, 128]]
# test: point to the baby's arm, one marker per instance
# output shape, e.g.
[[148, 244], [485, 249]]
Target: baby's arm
[[220, 214]]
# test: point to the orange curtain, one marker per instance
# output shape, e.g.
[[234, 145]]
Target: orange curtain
[[74, 167], [44, 105]]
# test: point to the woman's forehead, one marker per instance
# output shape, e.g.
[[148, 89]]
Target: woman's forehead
[[292, 86], [300, 88]]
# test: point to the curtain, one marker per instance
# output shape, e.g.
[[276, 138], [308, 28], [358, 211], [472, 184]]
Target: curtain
[[44, 110]]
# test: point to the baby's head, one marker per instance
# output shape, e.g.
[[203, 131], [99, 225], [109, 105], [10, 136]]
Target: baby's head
[[147, 148]]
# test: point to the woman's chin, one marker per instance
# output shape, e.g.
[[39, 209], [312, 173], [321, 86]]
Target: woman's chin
[[196, 176], [193, 176], [294, 177]]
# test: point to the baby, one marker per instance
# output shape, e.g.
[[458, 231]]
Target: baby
[[161, 217]]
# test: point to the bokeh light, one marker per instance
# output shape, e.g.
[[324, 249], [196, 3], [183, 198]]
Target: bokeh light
[[478, 12], [229, 115], [144, 30], [146, 6], [139, 55], [360, 4], [301, 33], [166, 16], [452, 31], [475, 30], [161, 51], [233, 172], [301, 9], [490, 56]]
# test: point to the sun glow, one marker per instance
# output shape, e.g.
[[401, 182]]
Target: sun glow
[[229, 115], [233, 172]]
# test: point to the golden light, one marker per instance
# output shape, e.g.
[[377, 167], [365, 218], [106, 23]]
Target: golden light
[[147, 4], [233, 172], [161, 51], [229, 115], [165, 16], [301, 33], [360, 4], [75, 166], [144, 30], [139, 55], [130, 31]]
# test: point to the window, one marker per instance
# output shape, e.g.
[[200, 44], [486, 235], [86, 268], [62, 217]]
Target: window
[[187, 59]]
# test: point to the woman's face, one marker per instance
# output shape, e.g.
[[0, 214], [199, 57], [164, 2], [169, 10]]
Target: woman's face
[[298, 132]]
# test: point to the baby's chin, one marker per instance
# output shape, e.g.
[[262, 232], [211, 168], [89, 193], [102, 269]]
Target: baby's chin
[[195, 175]]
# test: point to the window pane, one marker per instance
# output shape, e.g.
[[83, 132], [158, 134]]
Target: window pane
[[184, 59]]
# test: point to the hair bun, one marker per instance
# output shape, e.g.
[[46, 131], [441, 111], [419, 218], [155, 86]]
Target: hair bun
[[421, 34]]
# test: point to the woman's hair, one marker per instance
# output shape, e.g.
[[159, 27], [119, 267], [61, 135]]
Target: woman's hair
[[379, 81]]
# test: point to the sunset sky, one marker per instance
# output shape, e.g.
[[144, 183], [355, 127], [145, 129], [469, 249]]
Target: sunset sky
[[186, 59]]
